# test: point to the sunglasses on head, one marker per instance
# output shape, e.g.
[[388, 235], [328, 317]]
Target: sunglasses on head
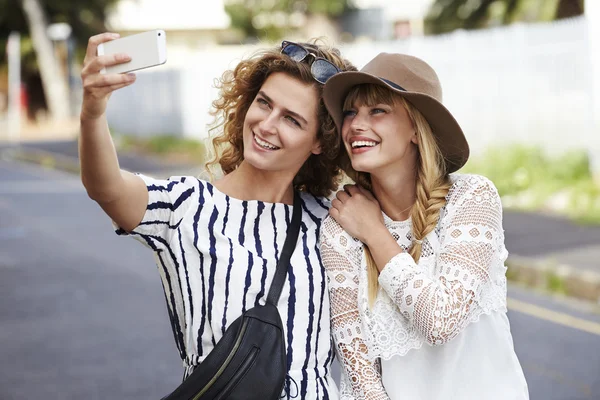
[[320, 68]]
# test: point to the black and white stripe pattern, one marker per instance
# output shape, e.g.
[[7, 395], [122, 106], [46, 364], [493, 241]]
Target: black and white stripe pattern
[[216, 256]]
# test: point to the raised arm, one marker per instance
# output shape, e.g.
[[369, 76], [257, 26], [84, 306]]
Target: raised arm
[[122, 195]]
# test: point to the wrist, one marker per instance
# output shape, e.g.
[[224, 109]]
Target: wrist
[[375, 234], [88, 117], [92, 109]]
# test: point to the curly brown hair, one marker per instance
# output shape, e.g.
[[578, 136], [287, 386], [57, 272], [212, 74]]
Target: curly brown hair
[[320, 174]]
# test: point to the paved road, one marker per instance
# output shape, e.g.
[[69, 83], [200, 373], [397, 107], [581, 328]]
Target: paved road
[[82, 313], [555, 238], [529, 235]]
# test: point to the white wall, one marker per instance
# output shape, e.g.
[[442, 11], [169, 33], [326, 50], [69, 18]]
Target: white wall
[[524, 83], [174, 99], [141, 15]]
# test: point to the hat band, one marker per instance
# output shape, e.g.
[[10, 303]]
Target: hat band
[[392, 84]]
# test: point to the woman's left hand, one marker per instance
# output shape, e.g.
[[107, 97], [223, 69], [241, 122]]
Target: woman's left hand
[[357, 211]]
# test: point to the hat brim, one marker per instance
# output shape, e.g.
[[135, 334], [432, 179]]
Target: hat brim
[[446, 130]]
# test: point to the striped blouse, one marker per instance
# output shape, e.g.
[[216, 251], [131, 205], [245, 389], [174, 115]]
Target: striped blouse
[[216, 256]]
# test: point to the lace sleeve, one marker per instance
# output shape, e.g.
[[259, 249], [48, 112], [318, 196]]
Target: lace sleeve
[[361, 378], [472, 242]]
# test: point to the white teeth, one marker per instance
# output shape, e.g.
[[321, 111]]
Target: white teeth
[[363, 143], [265, 145]]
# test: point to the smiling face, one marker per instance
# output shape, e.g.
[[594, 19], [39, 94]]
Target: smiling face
[[378, 132], [281, 125]]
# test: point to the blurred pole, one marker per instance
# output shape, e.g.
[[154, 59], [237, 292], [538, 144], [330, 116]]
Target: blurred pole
[[70, 41], [53, 81], [60, 34], [592, 15], [13, 50]]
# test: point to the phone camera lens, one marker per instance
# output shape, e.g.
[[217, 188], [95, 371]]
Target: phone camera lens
[[159, 34]]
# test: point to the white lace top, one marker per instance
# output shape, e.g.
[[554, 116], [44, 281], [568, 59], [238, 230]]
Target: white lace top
[[429, 307]]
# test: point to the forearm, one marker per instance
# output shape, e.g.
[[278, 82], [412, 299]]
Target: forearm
[[100, 171], [382, 245], [439, 308]]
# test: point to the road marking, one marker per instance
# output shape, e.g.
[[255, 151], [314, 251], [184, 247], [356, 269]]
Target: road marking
[[554, 316], [37, 170], [41, 186]]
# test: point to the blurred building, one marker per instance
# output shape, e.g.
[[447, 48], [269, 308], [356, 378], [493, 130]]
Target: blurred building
[[189, 23], [523, 83], [385, 19]]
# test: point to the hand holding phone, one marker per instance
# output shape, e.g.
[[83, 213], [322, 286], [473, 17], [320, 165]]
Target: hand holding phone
[[147, 49], [107, 60]]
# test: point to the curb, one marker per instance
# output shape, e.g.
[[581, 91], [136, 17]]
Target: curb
[[553, 277], [44, 158], [535, 273], [53, 160]]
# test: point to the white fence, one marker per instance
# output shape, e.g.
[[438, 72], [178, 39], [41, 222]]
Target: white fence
[[523, 83]]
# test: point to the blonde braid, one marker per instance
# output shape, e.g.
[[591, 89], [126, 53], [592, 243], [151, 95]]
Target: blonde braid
[[432, 184], [430, 198]]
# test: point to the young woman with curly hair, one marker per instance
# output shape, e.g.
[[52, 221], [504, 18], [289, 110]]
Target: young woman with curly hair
[[414, 252], [217, 243]]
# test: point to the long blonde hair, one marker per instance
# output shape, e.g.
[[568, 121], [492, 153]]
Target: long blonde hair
[[432, 181]]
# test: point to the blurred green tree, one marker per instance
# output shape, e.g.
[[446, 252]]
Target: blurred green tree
[[270, 19], [31, 19], [448, 15], [85, 17]]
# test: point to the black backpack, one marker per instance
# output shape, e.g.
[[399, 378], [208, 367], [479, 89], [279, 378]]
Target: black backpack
[[249, 362]]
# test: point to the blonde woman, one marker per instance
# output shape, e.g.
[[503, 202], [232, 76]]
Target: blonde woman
[[414, 254]]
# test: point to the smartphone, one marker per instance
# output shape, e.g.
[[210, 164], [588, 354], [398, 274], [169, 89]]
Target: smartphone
[[147, 49]]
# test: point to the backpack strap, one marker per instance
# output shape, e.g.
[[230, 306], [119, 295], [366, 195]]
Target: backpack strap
[[286, 253]]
